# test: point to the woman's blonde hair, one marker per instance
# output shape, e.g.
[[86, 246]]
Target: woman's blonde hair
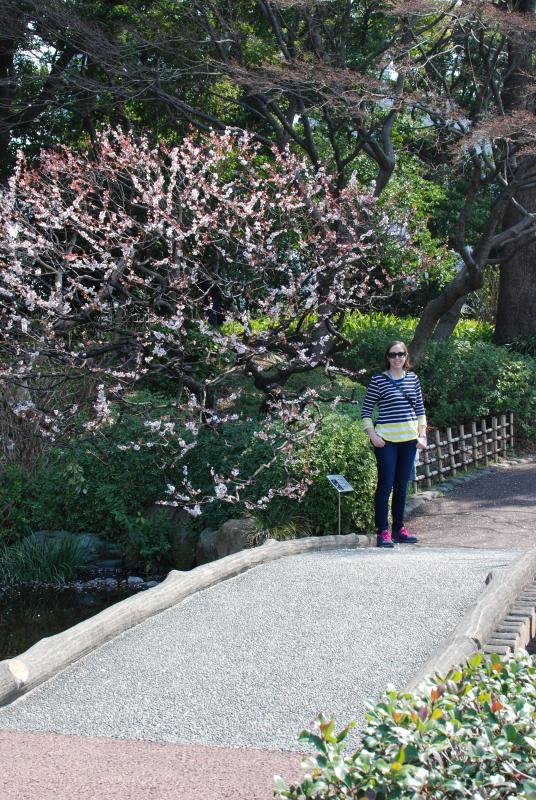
[[386, 361]]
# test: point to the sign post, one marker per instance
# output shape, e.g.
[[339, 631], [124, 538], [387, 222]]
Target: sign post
[[341, 486]]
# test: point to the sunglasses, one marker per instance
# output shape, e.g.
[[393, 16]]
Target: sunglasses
[[396, 355]]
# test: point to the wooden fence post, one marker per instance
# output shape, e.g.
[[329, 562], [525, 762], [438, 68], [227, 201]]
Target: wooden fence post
[[450, 447], [474, 443], [426, 463], [494, 445], [439, 457], [484, 441], [512, 438], [504, 440], [463, 454]]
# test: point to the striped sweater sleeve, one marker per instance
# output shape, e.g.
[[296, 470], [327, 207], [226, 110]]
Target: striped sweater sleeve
[[371, 398], [419, 405]]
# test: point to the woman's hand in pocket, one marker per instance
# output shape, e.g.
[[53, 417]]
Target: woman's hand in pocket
[[376, 440]]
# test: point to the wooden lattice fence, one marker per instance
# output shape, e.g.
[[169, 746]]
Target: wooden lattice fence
[[454, 450]]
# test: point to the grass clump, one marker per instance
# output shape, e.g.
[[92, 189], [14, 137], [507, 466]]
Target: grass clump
[[38, 560]]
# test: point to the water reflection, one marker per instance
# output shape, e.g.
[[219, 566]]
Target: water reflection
[[27, 615]]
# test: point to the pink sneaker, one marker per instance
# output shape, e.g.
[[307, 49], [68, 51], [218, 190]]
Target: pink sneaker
[[384, 539], [403, 536]]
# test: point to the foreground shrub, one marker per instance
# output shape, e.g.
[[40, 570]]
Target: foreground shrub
[[470, 735], [37, 560]]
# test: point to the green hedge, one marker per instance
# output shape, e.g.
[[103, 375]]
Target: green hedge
[[470, 735], [465, 381], [340, 447], [464, 378]]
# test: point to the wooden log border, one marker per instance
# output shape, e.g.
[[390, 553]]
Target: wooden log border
[[51, 655]]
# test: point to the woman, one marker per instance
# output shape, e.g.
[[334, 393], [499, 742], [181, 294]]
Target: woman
[[399, 431]]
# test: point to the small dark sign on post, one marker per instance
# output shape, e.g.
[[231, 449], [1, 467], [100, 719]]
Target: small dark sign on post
[[341, 486]]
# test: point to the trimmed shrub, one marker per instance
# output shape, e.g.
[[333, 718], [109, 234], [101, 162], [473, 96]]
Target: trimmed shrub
[[464, 381], [471, 734], [340, 447], [370, 334]]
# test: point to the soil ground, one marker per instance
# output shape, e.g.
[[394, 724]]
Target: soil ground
[[493, 510]]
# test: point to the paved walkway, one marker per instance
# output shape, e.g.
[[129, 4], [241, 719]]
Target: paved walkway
[[198, 704]]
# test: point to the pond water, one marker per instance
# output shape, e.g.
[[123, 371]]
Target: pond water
[[29, 614]]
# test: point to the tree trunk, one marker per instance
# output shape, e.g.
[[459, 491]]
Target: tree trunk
[[448, 321], [516, 306], [454, 292]]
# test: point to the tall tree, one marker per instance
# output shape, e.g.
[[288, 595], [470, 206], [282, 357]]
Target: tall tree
[[109, 266], [353, 81], [516, 306]]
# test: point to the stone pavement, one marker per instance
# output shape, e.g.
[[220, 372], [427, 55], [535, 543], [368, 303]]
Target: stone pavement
[[495, 512]]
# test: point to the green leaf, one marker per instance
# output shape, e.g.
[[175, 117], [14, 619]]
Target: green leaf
[[344, 733], [475, 660], [454, 786], [313, 739], [510, 733]]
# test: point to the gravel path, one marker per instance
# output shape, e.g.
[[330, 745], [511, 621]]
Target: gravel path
[[250, 662]]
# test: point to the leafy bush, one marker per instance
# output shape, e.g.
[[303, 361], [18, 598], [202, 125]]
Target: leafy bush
[[15, 511], [147, 542], [93, 485], [370, 334], [471, 734], [464, 381], [473, 330], [339, 447], [526, 345], [37, 560], [97, 484]]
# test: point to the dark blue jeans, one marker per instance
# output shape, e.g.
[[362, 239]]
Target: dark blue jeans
[[395, 463]]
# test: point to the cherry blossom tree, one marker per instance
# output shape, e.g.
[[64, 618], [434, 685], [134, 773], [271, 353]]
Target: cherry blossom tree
[[133, 263]]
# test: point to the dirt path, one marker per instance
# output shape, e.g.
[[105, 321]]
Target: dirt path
[[42, 766], [494, 510]]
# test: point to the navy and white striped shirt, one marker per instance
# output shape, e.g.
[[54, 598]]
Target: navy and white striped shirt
[[397, 421]]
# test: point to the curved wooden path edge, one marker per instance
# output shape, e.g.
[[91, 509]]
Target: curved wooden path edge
[[50, 655]]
